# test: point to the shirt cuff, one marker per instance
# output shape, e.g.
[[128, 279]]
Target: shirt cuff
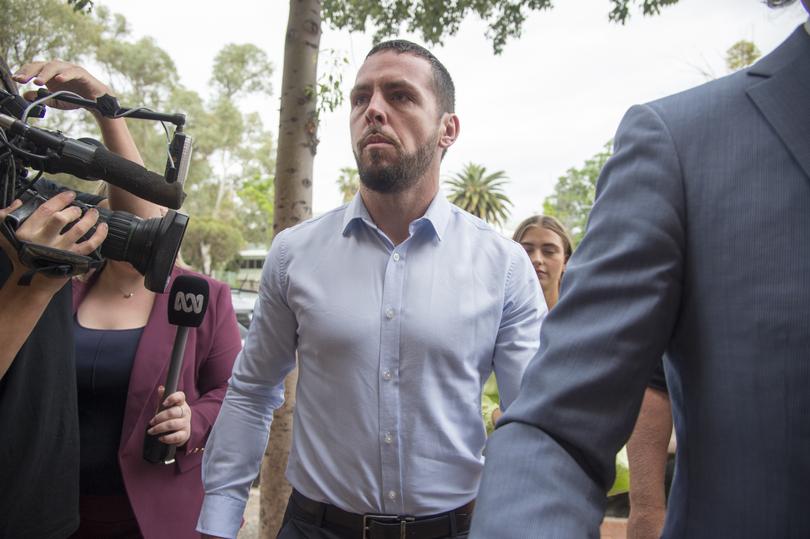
[[221, 516]]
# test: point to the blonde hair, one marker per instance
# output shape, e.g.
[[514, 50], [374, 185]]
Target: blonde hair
[[549, 223]]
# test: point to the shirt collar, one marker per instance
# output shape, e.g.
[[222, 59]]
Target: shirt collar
[[437, 215]]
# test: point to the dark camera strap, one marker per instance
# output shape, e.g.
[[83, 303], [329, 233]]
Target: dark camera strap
[[48, 260]]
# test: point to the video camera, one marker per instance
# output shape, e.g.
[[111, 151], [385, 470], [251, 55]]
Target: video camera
[[150, 245]]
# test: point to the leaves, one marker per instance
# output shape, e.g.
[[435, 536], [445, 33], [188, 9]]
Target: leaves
[[348, 183], [231, 175], [241, 69], [480, 194], [434, 20], [210, 243], [742, 54], [621, 8], [573, 195]]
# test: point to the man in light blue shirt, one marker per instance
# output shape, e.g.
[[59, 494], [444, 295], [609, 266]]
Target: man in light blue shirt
[[399, 305]]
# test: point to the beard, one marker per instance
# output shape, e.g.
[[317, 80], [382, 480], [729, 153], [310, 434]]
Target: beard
[[399, 175]]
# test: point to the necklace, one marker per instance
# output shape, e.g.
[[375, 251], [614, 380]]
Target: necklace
[[126, 295]]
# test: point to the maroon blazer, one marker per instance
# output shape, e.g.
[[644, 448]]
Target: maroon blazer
[[166, 499]]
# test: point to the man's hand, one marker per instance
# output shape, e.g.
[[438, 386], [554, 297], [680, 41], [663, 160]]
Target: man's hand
[[174, 420], [57, 75]]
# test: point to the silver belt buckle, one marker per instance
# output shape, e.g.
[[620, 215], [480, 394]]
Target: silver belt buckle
[[403, 522]]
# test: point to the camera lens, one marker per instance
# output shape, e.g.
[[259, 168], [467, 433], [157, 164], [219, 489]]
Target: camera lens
[[150, 245]]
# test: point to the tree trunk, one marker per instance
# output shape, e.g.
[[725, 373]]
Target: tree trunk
[[205, 254], [297, 142]]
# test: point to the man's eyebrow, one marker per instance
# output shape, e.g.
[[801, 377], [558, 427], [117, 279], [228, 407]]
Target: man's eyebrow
[[398, 84], [360, 88]]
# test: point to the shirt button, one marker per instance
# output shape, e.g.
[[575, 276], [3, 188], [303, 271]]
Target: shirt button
[[388, 438], [392, 495], [387, 375], [396, 257], [389, 313]]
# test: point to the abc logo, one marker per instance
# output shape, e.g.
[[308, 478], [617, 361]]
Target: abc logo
[[188, 302]]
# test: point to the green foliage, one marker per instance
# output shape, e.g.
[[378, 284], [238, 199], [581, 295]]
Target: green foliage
[[210, 243], [142, 69], [257, 192], [241, 69], [436, 19], [348, 183], [231, 175], [573, 195], [33, 27], [82, 5], [742, 54], [621, 8], [480, 193], [328, 91]]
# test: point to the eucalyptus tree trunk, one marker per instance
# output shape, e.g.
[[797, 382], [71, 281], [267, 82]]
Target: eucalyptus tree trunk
[[297, 142]]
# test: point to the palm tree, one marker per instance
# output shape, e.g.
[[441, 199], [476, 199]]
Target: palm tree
[[348, 183], [480, 193]]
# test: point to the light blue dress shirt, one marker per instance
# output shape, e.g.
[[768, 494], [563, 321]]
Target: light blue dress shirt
[[394, 344]]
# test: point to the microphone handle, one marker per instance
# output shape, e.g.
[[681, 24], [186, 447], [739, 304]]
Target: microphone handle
[[154, 450]]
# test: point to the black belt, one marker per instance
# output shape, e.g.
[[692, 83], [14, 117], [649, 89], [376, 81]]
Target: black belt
[[374, 526]]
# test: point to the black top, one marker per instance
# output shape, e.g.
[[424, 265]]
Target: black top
[[103, 366], [39, 430]]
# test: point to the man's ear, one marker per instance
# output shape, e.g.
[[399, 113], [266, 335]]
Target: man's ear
[[449, 130]]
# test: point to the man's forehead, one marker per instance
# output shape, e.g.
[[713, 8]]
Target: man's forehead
[[391, 66]]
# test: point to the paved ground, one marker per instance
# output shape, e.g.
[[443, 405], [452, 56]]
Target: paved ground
[[612, 528]]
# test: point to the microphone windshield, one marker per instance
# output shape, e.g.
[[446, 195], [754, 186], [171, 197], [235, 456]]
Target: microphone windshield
[[188, 301]]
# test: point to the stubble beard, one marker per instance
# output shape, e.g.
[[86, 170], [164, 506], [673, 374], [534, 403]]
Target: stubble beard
[[399, 175]]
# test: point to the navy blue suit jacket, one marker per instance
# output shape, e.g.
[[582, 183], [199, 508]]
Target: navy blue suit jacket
[[698, 245]]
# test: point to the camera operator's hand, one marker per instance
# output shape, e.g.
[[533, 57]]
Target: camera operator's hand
[[22, 306], [44, 227], [57, 75]]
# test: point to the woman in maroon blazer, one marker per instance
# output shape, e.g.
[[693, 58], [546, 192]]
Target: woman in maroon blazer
[[165, 500], [123, 346]]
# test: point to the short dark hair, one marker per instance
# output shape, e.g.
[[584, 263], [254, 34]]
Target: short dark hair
[[442, 82]]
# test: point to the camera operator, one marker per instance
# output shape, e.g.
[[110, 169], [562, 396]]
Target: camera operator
[[39, 444]]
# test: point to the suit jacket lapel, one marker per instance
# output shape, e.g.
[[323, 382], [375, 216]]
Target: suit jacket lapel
[[783, 97]]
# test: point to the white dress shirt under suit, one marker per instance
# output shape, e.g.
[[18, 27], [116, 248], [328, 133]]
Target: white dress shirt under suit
[[394, 344]]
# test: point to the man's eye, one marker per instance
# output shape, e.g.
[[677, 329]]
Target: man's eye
[[400, 97], [359, 100]]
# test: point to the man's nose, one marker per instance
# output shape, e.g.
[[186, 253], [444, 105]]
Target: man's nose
[[375, 112]]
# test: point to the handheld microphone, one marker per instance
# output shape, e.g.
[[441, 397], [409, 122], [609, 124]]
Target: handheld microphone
[[92, 162], [188, 301]]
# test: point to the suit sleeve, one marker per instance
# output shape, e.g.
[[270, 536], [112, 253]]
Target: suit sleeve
[[551, 461]]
